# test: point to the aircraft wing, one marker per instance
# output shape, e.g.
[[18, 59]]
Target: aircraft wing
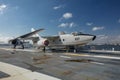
[[30, 34]]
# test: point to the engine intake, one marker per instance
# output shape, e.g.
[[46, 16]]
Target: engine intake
[[46, 42], [16, 42]]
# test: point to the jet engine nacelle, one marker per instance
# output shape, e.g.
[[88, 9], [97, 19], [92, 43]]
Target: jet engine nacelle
[[16, 42], [43, 42]]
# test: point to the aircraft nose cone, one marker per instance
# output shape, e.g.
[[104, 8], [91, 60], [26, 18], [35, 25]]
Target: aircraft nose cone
[[94, 37]]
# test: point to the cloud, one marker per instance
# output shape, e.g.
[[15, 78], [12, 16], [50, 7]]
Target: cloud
[[105, 39], [115, 39], [57, 7], [67, 15], [2, 8], [4, 39], [63, 25], [70, 25], [97, 28], [102, 37], [89, 23]]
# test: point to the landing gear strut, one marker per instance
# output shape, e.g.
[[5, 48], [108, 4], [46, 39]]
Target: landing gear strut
[[71, 49], [44, 49], [21, 46], [17, 42], [75, 49]]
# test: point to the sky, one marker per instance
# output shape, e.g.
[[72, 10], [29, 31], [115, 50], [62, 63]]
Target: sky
[[97, 17]]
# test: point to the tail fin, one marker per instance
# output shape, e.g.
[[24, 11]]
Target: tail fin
[[35, 35]]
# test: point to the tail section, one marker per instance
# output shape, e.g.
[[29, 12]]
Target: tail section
[[35, 35], [36, 38]]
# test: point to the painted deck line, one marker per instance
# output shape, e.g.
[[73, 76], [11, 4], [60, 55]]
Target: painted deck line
[[18, 73], [107, 57], [97, 56], [97, 63], [103, 51], [65, 57], [28, 50]]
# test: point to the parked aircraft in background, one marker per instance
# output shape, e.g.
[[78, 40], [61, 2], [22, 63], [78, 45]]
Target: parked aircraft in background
[[63, 39]]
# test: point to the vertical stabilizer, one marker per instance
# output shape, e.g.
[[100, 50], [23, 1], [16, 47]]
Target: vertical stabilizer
[[35, 35]]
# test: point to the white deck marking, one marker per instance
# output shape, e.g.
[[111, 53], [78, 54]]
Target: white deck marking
[[65, 57], [97, 63], [103, 51], [96, 56], [18, 73], [108, 57], [49, 53], [28, 50]]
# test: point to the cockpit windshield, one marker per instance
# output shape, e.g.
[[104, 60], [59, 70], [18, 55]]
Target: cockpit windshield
[[76, 33], [79, 33]]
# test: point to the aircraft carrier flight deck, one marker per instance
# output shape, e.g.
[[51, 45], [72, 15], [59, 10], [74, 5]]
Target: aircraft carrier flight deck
[[63, 66]]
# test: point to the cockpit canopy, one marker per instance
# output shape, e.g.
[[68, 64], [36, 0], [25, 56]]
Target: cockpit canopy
[[76, 33], [62, 33], [73, 33]]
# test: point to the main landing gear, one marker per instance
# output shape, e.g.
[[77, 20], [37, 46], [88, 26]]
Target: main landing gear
[[71, 49]]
